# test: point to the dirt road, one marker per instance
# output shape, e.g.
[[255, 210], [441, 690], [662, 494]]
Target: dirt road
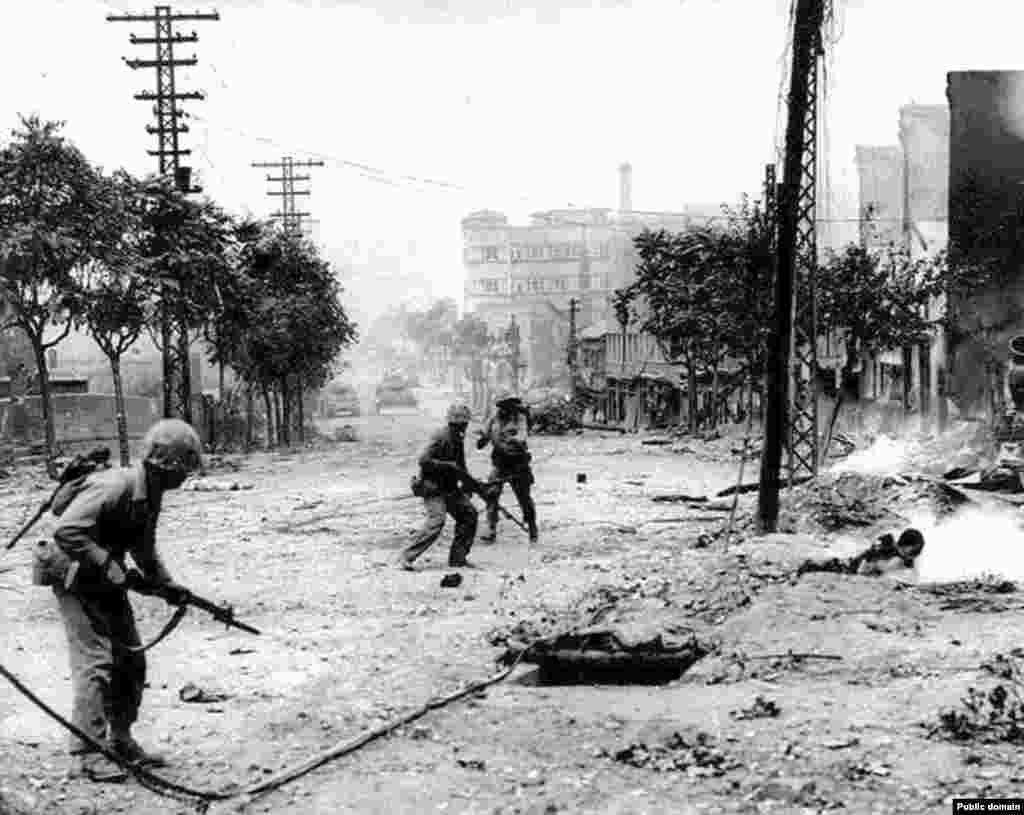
[[350, 642]]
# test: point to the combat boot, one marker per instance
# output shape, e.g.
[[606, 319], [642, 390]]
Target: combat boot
[[131, 751]]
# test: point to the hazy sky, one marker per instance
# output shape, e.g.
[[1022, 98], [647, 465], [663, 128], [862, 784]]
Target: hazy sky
[[517, 106]]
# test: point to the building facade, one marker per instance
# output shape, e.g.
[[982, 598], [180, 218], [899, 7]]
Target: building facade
[[533, 271]]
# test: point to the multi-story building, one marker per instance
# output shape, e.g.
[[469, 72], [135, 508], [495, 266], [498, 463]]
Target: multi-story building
[[532, 271]]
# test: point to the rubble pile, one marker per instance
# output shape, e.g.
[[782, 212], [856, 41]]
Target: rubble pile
[[554, 416], [697, 755]]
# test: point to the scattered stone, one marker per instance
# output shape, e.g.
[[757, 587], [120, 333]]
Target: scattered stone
[[761, 709], [190, 692], [678, 753]]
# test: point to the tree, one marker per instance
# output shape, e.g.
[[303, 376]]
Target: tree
[[49, 218], [282, 321], [116, 295], [187, 245]]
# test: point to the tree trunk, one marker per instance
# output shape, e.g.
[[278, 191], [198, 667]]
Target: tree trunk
[[249, 408], [122, 421], [908, 361], [281, 410], [269, 404], [715, 403], [691, 385], [301, 410], [46, 401]]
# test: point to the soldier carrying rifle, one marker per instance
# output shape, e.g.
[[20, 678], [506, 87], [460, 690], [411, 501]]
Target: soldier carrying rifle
[[104, 517], [445, 485], [506, 432]]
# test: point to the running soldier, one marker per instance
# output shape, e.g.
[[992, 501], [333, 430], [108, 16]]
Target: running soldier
[[104, 517], [507, 433], [445, 485]]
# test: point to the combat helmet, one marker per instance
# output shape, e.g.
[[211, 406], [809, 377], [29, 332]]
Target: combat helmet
[[459, 413], [174, 445]]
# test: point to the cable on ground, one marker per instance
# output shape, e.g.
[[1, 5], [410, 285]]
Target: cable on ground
[[203, 798]]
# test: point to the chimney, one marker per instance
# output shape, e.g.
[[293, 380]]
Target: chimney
[[625, 187]]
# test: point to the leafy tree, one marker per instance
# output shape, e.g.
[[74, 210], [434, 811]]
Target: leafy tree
[[116, 296], [187, 245], [50, 215], [283, 324], [874, 301]]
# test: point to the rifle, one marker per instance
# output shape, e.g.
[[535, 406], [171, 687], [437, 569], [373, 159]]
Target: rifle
[[484, 492], [183, 599], [79, 467]]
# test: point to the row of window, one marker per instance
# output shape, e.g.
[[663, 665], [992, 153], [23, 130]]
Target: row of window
[[496, 286], [519, 254]]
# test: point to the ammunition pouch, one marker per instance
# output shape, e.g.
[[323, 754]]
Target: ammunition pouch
[[50, 565]]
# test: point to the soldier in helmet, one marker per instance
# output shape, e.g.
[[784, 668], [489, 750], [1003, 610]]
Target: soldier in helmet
[[104, 517], [507, 432], [444, 484]]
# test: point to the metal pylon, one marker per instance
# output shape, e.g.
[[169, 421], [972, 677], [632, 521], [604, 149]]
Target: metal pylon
[[803, 402]]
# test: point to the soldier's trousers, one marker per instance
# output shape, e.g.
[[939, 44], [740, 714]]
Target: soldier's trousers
[[462, 510], [107, 680], [520, 484]]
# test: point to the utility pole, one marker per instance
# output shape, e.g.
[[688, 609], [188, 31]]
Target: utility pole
[[514, 340], [793, 211], [288, 215], [573, 306], [176, 371]]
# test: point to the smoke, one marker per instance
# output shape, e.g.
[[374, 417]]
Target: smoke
[[886, 456], [975, 542]]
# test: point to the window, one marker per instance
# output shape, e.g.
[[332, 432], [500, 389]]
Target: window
[[584, 281], [517, 254], [560, 284], [491, 254], [535, 251], [51, 358], [576, 250], [490, 286], [560, 251]]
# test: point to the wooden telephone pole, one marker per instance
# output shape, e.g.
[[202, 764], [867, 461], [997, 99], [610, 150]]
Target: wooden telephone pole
[[177, 379], [794, 256]]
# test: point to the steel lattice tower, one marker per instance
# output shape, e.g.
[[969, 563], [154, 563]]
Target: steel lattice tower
[[803, 406]]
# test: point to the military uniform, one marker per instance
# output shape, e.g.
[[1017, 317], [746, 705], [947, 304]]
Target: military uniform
[[440, 464], [507, 432], [113, 511]]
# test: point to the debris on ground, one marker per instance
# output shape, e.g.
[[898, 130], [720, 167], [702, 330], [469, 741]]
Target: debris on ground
[[697, 755], [554, 416], [761, 709], [190, 692], [345, 433], [989, 716], [619, 654], [451, 581], [206, 485]]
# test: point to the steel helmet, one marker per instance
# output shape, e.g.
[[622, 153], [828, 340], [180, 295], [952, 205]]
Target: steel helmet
[[459, 413], [172, 444]]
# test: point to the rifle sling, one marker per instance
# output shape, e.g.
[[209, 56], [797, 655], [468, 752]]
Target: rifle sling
[[166, 631]]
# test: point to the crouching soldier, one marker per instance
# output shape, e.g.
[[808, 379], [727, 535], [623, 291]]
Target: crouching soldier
[[507, 432], [104, 517], [444, 484]]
